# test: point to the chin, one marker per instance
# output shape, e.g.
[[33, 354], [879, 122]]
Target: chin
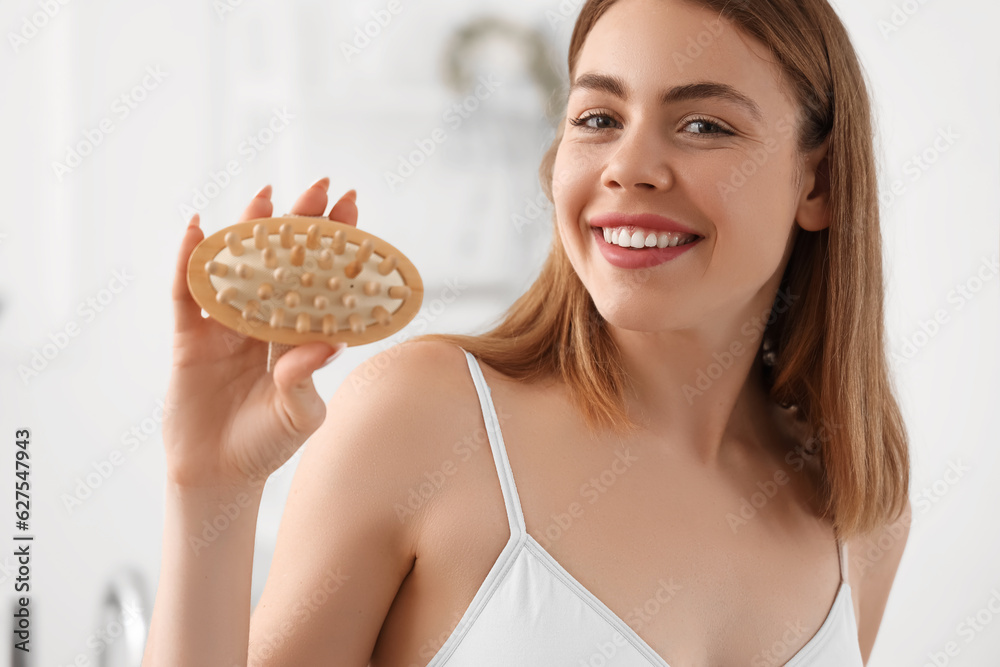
[[631, 315]]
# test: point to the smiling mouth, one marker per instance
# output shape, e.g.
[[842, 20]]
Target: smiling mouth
[[639, 239]]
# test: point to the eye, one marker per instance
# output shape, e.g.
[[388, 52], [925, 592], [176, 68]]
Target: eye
[[709, 127], [582, 121], [705, 122]]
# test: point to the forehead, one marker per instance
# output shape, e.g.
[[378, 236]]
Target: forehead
[[654, 45]]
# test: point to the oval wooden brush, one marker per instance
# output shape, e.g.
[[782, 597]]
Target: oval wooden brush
[[298, 279]]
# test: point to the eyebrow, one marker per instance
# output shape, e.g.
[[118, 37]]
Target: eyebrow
[[699, 90]]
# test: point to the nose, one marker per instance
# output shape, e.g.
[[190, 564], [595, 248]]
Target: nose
[[640, 162]]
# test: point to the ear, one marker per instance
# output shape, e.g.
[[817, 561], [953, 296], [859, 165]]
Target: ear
[[813, 212]]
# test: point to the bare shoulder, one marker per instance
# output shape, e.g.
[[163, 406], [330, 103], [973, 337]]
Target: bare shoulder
[[408, 388], [347, 538], [411, 366], [408, 400], [873, 560]]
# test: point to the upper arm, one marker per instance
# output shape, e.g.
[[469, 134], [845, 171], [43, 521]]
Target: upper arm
[[343, 546], [877, 572]]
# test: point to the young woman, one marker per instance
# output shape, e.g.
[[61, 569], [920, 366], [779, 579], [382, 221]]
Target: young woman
[[662, 455]]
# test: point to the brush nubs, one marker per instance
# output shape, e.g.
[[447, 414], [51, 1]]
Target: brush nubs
[[297, 279]]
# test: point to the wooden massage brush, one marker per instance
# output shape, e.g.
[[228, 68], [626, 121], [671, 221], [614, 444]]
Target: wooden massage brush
[[298, 279]]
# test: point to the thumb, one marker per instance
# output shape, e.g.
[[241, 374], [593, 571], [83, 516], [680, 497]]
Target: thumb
[[297, 395]]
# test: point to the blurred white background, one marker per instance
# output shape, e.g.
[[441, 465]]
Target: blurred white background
[[158, 100]]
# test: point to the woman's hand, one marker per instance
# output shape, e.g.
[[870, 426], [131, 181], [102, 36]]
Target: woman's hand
[[228, 422]]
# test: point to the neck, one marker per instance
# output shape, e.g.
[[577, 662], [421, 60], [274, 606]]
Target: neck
[[701, 393]]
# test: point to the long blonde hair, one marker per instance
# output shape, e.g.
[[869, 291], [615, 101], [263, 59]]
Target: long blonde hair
[[831, 360]]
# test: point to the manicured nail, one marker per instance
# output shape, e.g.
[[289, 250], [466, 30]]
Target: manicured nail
[[340, 349], [195, 219], [323, 183], [265, 192], [353, 194]]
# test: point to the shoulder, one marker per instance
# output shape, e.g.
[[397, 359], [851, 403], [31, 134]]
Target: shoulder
[[356, 509], [412, 384], [405, 406], [873, 560]]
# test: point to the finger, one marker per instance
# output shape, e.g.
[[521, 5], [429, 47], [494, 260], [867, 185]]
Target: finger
[[312, 201], [260, 206], [346, 210], [293, 381], [187, 312]]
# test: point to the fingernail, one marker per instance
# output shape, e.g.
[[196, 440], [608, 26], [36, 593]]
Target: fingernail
[[265, 192], [323, 183], [195, 219], [353, 194], [340, 349]]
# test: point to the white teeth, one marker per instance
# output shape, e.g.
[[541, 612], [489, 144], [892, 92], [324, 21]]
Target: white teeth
[[626, 238]]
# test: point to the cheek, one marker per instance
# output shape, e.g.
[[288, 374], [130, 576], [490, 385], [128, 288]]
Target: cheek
[[746, 195], [575, 177], [572, 165]]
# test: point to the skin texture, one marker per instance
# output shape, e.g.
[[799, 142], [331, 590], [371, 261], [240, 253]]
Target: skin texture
[[354, 580]]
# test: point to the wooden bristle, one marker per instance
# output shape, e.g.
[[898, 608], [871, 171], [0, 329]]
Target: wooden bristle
[[399, 292], [381, 315], [287, 235], [260, 240], [216, 269], [234, 243], [298, 255], [364, 251], [251, 309], [387, 265], [226, 295], [326, 259], [339, 242], [312, 237]]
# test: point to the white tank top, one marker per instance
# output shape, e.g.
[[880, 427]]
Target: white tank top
[[531, 612]]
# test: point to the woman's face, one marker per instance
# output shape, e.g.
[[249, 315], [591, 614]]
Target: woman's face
[[723, 169]]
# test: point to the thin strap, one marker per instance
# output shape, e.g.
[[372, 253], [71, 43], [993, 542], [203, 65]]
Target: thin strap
[[843, 559], [514, 515]]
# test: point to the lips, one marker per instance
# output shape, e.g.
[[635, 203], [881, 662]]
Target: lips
[[636, 258], [645, 221]]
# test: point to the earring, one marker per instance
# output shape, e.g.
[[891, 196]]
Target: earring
[[769, 357]]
